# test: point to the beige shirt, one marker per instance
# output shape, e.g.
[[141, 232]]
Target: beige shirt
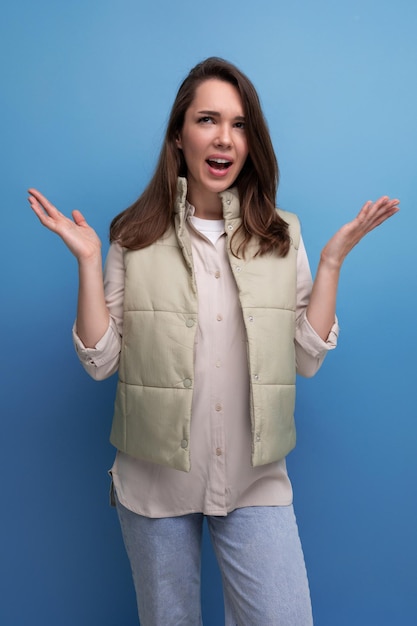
[[221, 477]]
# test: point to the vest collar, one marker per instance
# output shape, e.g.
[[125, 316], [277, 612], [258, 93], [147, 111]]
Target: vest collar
[[229, 198]]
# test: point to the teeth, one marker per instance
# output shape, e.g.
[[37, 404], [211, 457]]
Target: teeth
[[219, 161]]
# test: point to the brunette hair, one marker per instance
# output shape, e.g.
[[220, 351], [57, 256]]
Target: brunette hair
[[147, 219]]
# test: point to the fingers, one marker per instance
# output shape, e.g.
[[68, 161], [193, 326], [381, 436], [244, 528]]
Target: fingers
[[78, 236], [373, 214], [79, 218], [42, 207], [386, 202], [40, 211], [48, 214], [37, 194], [38, 199]]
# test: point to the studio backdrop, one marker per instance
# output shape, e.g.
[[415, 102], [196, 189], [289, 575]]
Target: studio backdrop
[[86, 87]]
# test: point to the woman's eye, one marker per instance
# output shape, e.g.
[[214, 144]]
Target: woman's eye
[[205, 120], [240, 125]]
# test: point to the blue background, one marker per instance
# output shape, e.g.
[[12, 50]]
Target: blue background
[[85, 91]]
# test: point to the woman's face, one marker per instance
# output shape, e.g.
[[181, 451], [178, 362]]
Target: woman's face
[[213, 141]]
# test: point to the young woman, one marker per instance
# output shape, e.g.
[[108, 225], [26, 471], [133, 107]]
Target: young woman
[[208, 310]]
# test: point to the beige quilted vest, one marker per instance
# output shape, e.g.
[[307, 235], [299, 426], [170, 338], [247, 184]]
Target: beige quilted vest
[[154, 394]]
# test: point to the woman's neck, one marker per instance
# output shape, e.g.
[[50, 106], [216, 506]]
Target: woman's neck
[[207, 205]]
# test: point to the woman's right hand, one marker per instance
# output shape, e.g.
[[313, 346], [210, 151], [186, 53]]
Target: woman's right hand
[[79, 237], [82, 240]]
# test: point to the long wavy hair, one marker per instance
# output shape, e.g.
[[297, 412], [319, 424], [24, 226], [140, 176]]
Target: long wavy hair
[[150, 216]]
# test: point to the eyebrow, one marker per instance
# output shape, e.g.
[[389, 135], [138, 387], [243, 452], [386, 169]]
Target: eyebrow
[[239, 118]]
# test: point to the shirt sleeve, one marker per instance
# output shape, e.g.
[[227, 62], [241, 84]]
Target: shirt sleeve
[[102, 361], [310, 349]]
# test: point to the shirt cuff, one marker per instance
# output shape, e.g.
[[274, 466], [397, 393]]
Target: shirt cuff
[[105, 350], [312, 343]]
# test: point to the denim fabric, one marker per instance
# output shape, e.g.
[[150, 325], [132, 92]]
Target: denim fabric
[[260, 558]]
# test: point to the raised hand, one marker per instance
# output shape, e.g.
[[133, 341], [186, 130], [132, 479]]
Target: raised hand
[[79, 237], [82, 240], [371, 215], [321, 309]]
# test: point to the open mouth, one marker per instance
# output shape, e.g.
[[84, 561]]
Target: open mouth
[[219, 164]]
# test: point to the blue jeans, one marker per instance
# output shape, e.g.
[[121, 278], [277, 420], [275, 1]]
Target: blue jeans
[[260, 558]]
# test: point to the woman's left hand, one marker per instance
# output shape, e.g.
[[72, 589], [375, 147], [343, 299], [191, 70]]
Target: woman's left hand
[[321, 309], [371, 215]]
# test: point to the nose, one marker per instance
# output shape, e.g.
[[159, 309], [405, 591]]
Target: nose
[[224, 138]]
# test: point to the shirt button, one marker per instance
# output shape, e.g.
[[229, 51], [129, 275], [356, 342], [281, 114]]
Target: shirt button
[[189, 323], [219, 317], [218, 451], [228, 201], [256, 377], [218, 363], [250, 318], [187, 382], [184, 443], [218, 407], [217, 274], [230, 227]]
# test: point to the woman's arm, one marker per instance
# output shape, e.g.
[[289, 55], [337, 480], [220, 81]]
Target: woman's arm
[[83, 242], [321, 309]]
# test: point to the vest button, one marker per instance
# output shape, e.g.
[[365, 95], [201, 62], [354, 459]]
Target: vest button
[[189, 323], [187, 382], [184, 444]]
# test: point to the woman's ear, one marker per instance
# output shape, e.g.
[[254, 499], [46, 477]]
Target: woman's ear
[[178, 142]]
